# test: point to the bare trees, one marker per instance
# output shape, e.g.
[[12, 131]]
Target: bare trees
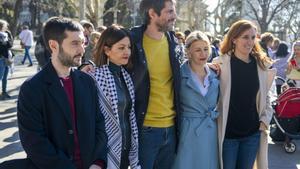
[[192, 13], [93, 11], [289, 21], [225, 13], [264, 11]]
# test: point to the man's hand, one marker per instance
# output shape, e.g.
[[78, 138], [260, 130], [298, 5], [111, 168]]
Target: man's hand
[[87, 68], [216, 67], [95, 167]]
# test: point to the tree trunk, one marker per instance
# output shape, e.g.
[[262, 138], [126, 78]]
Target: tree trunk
[[17, 10], [82, 9]]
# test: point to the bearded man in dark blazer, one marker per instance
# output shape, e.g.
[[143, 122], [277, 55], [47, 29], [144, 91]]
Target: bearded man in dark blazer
[[59, 120]]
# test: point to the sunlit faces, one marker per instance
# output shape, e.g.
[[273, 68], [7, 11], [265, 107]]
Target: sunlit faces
[[166, 21], [120, 52], [72, 49], [297, 51], [198, 52], [245, 43]]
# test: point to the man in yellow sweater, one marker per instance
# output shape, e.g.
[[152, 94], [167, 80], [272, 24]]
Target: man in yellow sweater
[[156, 77]]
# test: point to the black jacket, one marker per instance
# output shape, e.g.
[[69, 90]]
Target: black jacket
[[5, 46], [45, 122], [41, 53], [140, 75]]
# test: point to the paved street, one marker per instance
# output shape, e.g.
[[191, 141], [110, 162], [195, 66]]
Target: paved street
[[10, 147]]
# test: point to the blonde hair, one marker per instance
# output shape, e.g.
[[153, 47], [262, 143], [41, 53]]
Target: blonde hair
[[296, 43], [235, 31], [196, 36], [94, 35]]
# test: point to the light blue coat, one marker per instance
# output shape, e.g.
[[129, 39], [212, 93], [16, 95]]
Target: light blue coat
[[198, 142]]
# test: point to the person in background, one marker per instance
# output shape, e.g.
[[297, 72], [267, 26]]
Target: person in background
[[216, 44], [100, 29], [244, 103], [266, 42], [275, 45], [88, 29], [59, 120], [181, 41], [88, 54], [198, 141], [214, 52], [6, 43], [116, 92], [186, 33], [281, 62], [293, 69], [181, 37], [26, 37], [41, 53]]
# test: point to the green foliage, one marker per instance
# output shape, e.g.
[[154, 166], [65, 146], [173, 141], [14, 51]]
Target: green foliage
[[7, 11]]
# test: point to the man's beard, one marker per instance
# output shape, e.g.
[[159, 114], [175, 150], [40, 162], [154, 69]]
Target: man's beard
[[164, 27], [68, 60]]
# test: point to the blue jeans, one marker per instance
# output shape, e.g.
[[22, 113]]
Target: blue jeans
[[157, 147], [3, 74], [240, 153], [27, 55]]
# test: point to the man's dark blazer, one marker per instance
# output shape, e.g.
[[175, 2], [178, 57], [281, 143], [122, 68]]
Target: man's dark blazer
[[45, 124]]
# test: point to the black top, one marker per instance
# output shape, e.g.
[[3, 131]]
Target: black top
[[243, 118], [124, 105], [6, 45]]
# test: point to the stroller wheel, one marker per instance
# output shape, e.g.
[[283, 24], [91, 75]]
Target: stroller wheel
[[289, 147]]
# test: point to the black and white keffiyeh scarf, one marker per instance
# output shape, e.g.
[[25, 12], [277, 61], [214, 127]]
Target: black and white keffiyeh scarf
[[108, 101]]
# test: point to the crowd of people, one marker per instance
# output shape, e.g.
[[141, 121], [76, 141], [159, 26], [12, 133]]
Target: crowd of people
[[147, 97]]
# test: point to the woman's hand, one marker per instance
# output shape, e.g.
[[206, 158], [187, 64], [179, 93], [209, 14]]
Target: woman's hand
[[289, 68], [262, 127]]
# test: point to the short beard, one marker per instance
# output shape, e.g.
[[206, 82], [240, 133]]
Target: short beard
[[66, 59], [164, 28]]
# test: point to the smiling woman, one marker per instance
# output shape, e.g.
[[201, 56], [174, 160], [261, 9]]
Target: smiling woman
[[245, 111]]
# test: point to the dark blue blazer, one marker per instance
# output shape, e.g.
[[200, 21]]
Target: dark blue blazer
[[45, 124]]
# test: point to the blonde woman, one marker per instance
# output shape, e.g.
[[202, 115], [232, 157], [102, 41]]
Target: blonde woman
[[293, 69], [198, 143]]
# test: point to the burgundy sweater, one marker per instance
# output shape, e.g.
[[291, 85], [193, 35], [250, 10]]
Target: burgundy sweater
[[68, 86]]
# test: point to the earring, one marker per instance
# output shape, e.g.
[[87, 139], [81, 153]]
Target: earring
[[107, 61], [233, 48]]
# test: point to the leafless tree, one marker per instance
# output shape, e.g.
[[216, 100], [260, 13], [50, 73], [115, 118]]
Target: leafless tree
[[264, 11], [17, 11], [193, 13], [225, 13], [92, 12]]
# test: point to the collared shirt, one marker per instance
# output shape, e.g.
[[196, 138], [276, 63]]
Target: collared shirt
[[26, 36], [203, 87]]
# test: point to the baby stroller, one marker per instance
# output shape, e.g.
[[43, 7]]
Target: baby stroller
[[286, 121]]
